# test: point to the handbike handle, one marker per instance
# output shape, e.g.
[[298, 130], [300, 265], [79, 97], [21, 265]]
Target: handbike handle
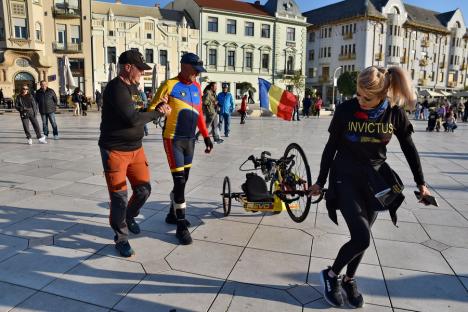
[[321, 196]]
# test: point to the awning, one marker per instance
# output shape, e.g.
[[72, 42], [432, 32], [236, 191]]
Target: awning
[[429, 93], [445, 93], [461, 94]]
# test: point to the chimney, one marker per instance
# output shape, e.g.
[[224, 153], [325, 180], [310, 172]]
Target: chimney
[[118, 1], [257, 2], [157, 5]]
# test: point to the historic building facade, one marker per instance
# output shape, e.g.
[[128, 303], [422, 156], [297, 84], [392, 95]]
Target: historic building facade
[[355, 34], [241, 41], [36, 35], [160, 35]]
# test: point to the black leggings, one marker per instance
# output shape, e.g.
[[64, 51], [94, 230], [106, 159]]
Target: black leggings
[[354, 200], [180, 179]]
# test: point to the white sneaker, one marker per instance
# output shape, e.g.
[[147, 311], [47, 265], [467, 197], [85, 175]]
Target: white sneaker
[[56, 137], [30, 141], [43, 140]]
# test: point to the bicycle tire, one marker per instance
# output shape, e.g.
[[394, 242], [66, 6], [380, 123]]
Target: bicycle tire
[[299, 214], [227, 200]]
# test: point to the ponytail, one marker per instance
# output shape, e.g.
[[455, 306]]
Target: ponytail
[[400, 89]]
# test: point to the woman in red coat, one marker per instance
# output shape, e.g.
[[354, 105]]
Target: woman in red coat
[[243, 109]]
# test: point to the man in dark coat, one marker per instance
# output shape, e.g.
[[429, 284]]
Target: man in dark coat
[[47, 101]]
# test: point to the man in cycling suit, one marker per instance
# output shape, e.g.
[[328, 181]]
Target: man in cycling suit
[[183, 94]]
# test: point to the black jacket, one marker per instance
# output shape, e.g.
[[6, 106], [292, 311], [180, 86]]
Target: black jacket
[[26, 108], [46, 100]]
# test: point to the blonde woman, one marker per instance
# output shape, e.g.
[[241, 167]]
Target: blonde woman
[[360, 130]]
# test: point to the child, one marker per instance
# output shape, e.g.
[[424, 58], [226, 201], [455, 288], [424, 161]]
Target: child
[[450, 123]]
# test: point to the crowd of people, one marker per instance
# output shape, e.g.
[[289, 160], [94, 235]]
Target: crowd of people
[[441, 113]]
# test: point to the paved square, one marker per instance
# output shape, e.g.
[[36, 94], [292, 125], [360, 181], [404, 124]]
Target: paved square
[[57, 254]]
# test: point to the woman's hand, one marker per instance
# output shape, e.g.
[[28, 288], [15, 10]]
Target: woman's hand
[[315, 190], [424, 191]]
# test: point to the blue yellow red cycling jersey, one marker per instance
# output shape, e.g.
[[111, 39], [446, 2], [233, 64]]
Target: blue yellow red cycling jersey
[[186, 104]]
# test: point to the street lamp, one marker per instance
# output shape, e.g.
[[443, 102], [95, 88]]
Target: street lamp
[[333, 89]]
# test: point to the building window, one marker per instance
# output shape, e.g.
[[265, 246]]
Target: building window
[[2, 31], [75, 34], [265, 31], [38, 32], [290, 65], [149, 26], [312, 36], [249, 29], [290, 34], [232, 59], [18, 9], [212, 57], [111, 33], [248, 60], [163, 57], [61, 34], [311, 55], [21, 31], [329, 51], [265, 61], [149, 56], [149, 36], [111, 55], [184, 39], [231, 26], [213, 24]]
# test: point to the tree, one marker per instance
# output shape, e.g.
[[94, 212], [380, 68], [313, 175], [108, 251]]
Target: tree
[[297, 81], [245, 87], [347, 83]]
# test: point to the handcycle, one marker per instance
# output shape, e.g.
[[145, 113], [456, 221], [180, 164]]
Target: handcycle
[[289, 178]]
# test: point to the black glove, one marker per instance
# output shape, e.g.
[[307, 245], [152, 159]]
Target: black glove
[[208, 144]]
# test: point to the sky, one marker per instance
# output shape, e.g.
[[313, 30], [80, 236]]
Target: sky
[[305, 5]]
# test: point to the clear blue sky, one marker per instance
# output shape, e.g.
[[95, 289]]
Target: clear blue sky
[[305, 5]]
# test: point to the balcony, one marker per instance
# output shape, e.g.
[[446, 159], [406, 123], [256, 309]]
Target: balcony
[[64, 10], [324, 79], [346, 57], [404, 60], [423, 82], [290, 72], [68, 47], [423, 62], [348, 36], [425, 43], [454, 67], [379, 56], [452, 84]]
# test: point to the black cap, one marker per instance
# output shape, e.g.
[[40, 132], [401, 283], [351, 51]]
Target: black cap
[[135, 58], [194, 60]]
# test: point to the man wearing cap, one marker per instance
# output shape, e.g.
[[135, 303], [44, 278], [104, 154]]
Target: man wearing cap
[[184, 98], [121, 148]]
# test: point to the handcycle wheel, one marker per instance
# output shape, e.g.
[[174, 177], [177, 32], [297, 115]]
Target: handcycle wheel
[[272, 183], [226, 196], [299, 171]]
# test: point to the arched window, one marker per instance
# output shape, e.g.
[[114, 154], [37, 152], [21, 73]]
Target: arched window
[[396, 10], [38, 28], [458, 24], [290, 64]]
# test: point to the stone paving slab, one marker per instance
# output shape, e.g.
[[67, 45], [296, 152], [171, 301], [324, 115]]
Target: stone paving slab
[[55, 194]]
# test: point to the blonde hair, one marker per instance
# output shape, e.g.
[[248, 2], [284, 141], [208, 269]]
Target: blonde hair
[[393, 83]]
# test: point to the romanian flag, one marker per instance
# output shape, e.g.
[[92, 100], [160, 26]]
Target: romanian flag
[[280, 102]]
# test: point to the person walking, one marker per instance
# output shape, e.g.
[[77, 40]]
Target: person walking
[[250, 99], [28, 109], [184, 98], [98, 98], [306, 104], [226, 106], [122, 153], [355, 156], [295, 115], [47, 101], [243, 109], [210, 111], [318, 105], [461, 110], [2, 98], [76, 100]]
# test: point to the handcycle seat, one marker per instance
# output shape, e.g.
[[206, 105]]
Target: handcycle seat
[[255, 189]]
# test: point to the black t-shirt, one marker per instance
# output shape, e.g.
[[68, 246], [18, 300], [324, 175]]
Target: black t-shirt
[[121, 123], [360, 136]]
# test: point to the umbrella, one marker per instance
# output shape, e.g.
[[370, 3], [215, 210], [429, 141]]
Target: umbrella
[[168, 71], [461, 94], [68, 81], [445, 93], [429, 93], [154, 79], [112, 71]]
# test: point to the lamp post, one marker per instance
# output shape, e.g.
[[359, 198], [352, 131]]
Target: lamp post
[[333, 89]]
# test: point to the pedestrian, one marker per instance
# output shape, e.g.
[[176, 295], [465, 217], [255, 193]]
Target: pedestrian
[[417, 111], [461, 110], [425, 108], [318, 105], [243, 109], [47, 101], [2, 98], [361, 182], [76, 100], [295, 115], [122, 153], [184, 97], [250, 100], [450, 123], [84, 104], [306, 105], [27, 107], [226, 106], [210, 111], [98, 98]]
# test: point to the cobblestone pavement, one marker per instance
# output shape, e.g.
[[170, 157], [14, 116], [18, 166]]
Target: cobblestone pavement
[[57, 254]]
